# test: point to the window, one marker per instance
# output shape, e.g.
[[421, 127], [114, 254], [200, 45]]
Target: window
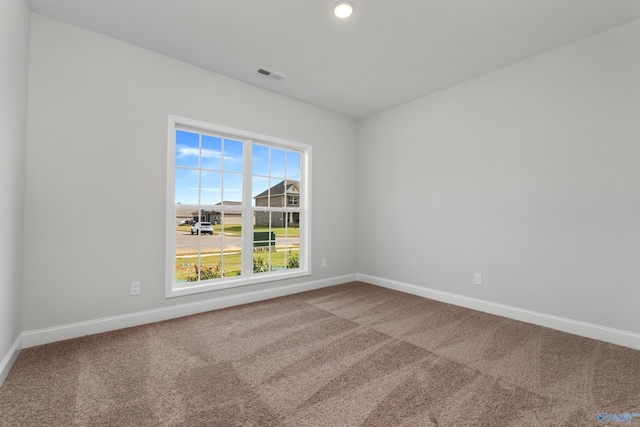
[[238, 208]]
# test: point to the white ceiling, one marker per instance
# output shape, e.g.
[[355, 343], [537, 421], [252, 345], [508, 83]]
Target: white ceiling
[[387, 53]]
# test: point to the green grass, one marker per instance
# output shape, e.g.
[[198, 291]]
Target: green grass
[[237, 230], [232, 263]]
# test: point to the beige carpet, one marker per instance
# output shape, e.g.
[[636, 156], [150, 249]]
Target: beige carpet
[[349, 355]]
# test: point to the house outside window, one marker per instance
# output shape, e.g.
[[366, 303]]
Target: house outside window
[[247, 197], [275, 196]]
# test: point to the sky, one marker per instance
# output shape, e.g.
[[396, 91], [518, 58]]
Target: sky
[[209, 169]]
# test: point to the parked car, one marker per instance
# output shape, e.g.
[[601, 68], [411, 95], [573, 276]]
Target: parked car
[[202, 228]]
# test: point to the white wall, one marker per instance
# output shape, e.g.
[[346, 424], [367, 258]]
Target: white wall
[[14, 69], [96, 171], [529, 175]]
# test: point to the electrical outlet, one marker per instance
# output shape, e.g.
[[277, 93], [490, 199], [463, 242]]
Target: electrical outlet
[[323, 263], [477, 279], [135, 288]]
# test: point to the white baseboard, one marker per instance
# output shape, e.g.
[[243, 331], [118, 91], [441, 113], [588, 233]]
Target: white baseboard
[[75, 330], [10, 359], [589, 330]]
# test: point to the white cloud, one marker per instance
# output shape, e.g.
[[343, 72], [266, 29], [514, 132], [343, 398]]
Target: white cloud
[[211, 154], [184, 151]]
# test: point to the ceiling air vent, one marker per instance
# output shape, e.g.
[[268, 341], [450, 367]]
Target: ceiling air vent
[[271, 74]]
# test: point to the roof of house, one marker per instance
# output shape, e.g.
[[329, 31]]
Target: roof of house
[[226, 203], [279, 188]]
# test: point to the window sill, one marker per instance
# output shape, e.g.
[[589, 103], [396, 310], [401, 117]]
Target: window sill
[[182, 289]]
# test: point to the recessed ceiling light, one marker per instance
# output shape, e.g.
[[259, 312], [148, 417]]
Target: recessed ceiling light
[[343, 9]]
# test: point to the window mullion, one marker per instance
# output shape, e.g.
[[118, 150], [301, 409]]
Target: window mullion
[[247, 210]]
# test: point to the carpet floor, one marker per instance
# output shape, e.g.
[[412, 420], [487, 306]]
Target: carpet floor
[[348, 355]]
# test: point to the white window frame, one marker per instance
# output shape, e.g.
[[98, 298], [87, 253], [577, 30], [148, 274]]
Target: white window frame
[[247, 276]]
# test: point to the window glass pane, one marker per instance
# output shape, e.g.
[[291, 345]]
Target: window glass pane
[[186, 186], [259, 191], [262, 261], [187, 149], [213, 215], [277, 163], [293, 165], [231, 233], [261, 228], [211, 188], [263, 240], [260, 160], [211, 152], [211, 264], [278, 261], [276, 192], [232, 156], [292, 193], [231, 226], [184, 217], [187, 264], [197, 214], [232, 191], [184, 222], [292, 222], [292, 259], [232, 261], [278, 220]]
